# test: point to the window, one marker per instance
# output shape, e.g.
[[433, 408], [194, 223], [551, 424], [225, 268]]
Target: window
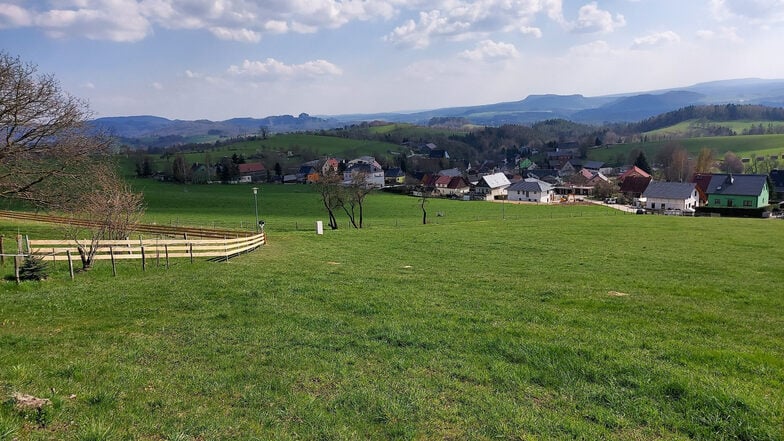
[[747, 203], [717, 201], [729, 202], [662, 207]]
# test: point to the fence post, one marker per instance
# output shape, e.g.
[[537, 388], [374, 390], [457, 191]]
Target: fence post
[[2, 250], [144, 260], [166, 250], [114, 268], [18, 257], [190, 249], [70, 263]]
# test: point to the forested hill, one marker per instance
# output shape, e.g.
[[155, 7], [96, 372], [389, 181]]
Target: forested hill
[[726, 112]]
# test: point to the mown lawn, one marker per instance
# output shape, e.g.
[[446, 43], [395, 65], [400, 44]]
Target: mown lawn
[[581, 324]]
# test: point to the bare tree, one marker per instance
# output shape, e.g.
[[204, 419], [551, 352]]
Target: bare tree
[[705, 160], [329, 189], [352, 199], [109, 211], [47, 146], [732, 164]]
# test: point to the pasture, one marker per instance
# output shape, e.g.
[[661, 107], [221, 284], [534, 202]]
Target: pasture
[[743, 146], [495, 321]]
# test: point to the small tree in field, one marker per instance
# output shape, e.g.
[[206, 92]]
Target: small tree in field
[[108, 212], [329, 188]]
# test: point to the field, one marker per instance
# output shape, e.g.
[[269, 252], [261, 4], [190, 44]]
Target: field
[[743, 146], [496, 321], [738, 126]]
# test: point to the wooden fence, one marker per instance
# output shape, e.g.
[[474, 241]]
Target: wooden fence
[[215, 249]]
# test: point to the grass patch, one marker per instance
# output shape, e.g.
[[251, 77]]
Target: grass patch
[[487, 325]]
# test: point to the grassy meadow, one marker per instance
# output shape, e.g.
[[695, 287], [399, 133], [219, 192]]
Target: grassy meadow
[[495, 321], [743, 146]]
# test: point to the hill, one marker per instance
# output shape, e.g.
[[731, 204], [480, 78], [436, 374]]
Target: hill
[[628, 107]]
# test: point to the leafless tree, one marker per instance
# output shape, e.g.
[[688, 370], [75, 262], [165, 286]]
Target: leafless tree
[[352, 199], [705, 160], [47, 147], [109, 211], [329, 189]]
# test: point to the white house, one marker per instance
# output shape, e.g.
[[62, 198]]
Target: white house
[[367, 166], [531, 190], [671, 196], [492, 187]]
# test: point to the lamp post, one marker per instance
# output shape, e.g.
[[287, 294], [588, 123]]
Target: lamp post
[[256, 205]]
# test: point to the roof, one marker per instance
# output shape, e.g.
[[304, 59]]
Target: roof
[[450, 172], [439, 153], [542, 172], [596, 165], [777, 176], [442, 181], [457, 182], [669, 190], [634, 171], [530, 185], [252, 167], [495, 180], [635, 184], [394, 172], [737, 185]]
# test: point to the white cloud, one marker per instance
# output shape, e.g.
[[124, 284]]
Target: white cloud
[[133, 20], [115, 20], [488, 50], [726, 33], [656, 39], [592, 19], [12, 16], [157, 86], [418, 35], [241, 34], [272, 69], [753, 11]]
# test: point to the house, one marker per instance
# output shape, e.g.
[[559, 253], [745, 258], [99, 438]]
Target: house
[[633, 172], [671, 196], [252, 172], [394, 176], [738, 191], [331, 165], [371, 173], [777, 176], [308, 173], [492, 186], [702, 180], [531, 190], [438, 154], [458, 186], [633, 186]]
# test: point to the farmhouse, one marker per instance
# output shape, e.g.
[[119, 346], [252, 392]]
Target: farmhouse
[[492, 187], [394, 176], [531, 190], [671, 196], [738, 191], [252, 172]]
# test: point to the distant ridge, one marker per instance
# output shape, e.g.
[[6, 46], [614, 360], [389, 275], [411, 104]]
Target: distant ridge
[[629, 107]]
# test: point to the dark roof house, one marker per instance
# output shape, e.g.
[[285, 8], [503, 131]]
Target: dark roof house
[[738, 191]]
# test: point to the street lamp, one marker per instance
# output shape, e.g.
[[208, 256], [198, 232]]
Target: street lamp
[[256, 205]]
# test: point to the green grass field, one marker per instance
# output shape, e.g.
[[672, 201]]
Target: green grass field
[[743, 146], [499, 321], [738, 126]]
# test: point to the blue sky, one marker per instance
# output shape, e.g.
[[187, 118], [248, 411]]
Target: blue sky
[[219, 59]]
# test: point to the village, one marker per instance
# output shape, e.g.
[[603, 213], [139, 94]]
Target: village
[[561, 178]]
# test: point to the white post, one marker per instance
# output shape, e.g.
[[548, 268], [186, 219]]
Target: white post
[[319, 228]]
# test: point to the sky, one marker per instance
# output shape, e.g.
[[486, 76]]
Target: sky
[[220, 59]]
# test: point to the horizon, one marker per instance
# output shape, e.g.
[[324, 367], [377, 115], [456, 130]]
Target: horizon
[[217, 61]]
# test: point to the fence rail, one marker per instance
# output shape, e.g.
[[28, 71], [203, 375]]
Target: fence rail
[[55, 250]]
